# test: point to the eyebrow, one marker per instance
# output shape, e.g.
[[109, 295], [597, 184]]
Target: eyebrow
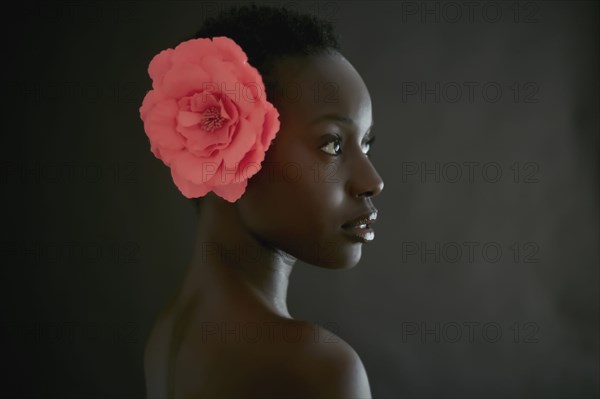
[[339, 118]]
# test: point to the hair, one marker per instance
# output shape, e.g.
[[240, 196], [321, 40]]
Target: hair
[[269, 34]]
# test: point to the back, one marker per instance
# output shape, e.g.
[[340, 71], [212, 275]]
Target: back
[[248, 355]]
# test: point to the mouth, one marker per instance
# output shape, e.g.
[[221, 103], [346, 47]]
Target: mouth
[[363, 233], [359, 229]]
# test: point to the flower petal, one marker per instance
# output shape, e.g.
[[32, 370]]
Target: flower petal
[[185, 80], [223, 77], [193, 51], [230, 50], [271, 125], [188, 118], [159, 66], [159, 125], [197, 170], [165, 154], [201, 143], [231, 192], [187, 188], [150, 99], [250, 164], [241, 142]]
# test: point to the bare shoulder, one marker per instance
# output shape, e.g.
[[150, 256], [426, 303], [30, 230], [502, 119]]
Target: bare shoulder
[[270, 358], [340, 371], [323, 366]]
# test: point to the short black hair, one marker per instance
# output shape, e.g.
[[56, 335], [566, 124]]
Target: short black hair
[[268, 34]]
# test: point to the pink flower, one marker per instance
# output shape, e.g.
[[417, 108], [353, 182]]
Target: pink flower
[[207, 117]]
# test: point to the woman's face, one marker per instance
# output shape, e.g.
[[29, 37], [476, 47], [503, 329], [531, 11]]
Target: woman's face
[[316, 175]]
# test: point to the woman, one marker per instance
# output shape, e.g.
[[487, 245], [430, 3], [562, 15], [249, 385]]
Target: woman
[[228, 333]]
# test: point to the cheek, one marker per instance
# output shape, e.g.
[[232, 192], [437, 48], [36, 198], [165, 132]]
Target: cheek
[[288, 202], [301, 216]]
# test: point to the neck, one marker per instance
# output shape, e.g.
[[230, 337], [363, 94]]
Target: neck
[[232, 264]]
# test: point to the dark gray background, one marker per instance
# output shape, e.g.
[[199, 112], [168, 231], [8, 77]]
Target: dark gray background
[[96, 236]]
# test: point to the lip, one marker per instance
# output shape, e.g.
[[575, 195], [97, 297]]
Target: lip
[[359, 228], [365, 218], [360, 234]]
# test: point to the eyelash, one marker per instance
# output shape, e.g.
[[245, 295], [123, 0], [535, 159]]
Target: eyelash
[[338, 139]]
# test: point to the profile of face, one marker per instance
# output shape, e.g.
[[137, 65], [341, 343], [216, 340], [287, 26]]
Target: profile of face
[[317, 174]]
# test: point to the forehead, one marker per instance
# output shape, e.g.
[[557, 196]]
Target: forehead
[[309, 87]]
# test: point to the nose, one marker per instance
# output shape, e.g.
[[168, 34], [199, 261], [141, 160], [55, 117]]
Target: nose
[[364, 180]]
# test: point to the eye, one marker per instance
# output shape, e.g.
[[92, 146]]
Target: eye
[[368, 145], [333, 147]]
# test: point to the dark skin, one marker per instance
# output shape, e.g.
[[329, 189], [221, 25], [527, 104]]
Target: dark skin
[[245, 251]]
